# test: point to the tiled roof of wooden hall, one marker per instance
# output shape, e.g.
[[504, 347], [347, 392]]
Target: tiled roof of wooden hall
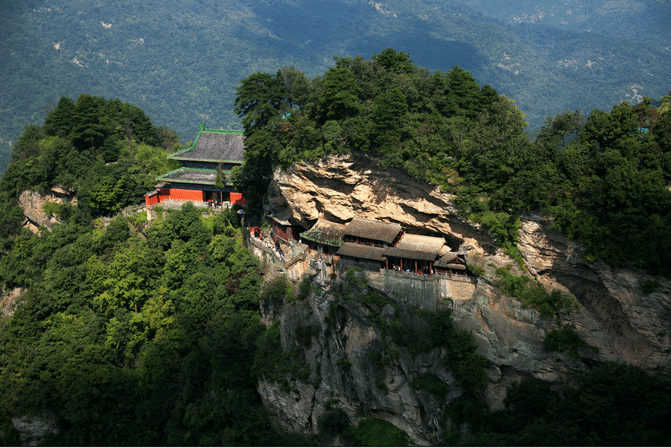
[[423, 243], [214, 145], [325, 232], [446, 259], [410, 254], [284, 217], [194, 176], [373, 230], [361, 251]]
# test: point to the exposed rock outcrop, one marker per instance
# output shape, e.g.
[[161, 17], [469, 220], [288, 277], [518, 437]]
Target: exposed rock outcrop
[[9, 299], [342, 371], [615, 316], [33, 429], [32, 203]]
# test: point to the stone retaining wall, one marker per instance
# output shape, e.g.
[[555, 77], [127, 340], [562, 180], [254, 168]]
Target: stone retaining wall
[[424, 291]]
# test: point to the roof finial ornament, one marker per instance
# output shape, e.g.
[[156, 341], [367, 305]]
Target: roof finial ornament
[[201, 126]]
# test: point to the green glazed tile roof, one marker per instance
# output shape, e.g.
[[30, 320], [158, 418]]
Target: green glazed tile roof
[[194, 176], [214, 145]]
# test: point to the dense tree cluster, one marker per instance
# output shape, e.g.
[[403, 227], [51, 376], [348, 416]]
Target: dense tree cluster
[[613, 405], [131, 340], [150, 335], [105, 150], [603, 178]]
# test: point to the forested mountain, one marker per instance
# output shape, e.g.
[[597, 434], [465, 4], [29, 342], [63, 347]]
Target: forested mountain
[[181, 62], [123, 331], [137, 334], [642, 21], [604, 178]]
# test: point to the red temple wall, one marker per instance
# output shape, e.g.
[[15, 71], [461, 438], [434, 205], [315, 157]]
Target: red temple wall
[[190, 195], [282, 233], [237, 198], [151, 200], [186, 195], [163, 194]]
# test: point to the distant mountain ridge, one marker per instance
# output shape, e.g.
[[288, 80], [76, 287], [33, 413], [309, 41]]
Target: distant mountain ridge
[[181, 62], [644, 21]]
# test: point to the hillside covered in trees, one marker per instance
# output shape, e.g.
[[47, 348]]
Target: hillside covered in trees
[[604, 178], [127, 334], [181, 61], [138, 334]]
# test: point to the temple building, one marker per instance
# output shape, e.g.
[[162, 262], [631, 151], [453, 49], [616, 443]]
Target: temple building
[[450, 263], [372, 233], [285, 227], [205, 174], [325, 237], [375, 246]]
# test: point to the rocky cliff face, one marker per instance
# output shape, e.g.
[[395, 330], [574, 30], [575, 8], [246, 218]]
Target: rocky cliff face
[[615, 316], [9, 300], [33, 202], [344, 370]]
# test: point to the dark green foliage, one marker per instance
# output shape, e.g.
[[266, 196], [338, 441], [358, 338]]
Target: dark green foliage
[[305, 333], [554, 305], [376, 358], [104, 150], [441, 326], [533, 294], [344, 363], [376, 432], [333, 423], [469, 409], [467, 366], [10, 435], [612, 405], [186, 226], [476, 270], [276, 291], [130, 343], [260, 103], [270, 361], [305, 286], [563, 340], [649, 286], [380, 384], [432, 384]]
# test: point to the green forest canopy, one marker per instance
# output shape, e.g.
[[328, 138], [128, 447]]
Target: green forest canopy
[[150, 335], [604, 178], [181, 61]]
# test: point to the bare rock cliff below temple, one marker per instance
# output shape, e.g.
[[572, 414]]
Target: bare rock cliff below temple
[[614, 316], [32, 203]]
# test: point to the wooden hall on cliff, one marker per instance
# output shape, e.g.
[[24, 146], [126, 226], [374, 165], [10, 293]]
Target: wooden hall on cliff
[[205, 174], [381, 246]]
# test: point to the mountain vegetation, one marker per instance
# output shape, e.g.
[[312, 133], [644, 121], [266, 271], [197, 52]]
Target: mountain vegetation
[[181, 61], [105, 150], [137, 334], [129, 334], [603, 178]]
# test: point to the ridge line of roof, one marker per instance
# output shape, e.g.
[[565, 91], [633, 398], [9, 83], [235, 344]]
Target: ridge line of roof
[[168, 173], [207, 160], [163, 176]]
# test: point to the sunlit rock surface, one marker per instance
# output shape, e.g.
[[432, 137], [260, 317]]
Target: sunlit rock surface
[[615, 317]]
